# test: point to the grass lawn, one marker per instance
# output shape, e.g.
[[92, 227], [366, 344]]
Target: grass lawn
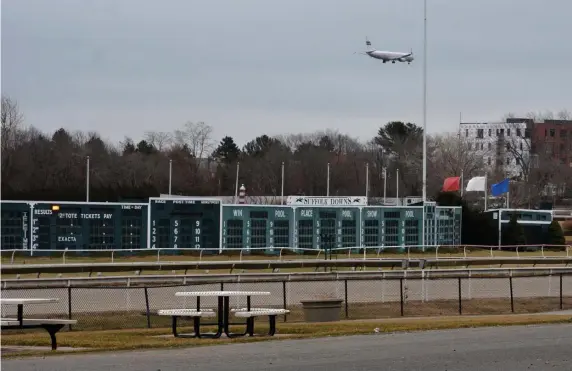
[[115, 340], [137, 319]]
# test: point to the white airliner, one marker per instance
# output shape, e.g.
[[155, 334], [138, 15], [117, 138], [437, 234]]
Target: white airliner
[[386, 56]]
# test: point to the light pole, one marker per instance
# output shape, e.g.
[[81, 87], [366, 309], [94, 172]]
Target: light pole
[[424, 120], [424, 100]]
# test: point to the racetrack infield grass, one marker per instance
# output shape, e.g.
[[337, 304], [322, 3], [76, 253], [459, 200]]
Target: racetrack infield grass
[[115, 340]]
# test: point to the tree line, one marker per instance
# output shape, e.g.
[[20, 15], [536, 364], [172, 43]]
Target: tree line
[[52, 166]]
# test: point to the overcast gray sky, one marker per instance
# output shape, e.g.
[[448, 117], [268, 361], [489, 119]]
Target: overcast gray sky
[[252, 67]]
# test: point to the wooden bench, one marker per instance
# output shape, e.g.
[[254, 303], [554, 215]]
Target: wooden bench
[[52, 326], [192, 313], [251, 314]]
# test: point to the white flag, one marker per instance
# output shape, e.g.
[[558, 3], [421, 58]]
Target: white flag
[[477, 184]]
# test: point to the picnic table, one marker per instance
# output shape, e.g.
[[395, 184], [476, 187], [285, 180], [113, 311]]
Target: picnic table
[[51, 325], [223, 313]]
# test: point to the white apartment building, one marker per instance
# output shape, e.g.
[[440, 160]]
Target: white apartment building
[[505, 146]]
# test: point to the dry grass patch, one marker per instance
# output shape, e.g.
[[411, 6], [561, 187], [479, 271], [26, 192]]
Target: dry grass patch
[[114, 340]]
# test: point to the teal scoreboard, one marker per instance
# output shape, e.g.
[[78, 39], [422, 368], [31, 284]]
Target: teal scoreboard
[[206, 224], [326, 227], [391, 226], [73, 225], [15, 219], [257, 226], [188, 223]]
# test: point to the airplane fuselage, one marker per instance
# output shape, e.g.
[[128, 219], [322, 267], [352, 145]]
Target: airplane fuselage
[[390, 56]]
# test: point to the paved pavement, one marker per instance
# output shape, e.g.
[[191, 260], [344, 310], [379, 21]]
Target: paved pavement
[[544, 347]]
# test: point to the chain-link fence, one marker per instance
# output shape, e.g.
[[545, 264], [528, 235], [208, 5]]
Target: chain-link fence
[[98, 308]]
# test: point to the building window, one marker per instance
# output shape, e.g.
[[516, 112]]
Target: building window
[[508, 132], [470, 146], [508, 160], [490, 146], [466, 132], [480, 133], [482, 145], [490, 133], [552, 132], [521, 146], [527, 133], [518, 133], [489, 160], [563, 133]]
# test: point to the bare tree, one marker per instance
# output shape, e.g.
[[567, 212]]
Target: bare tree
[[452, 155], [564, 115], [159, 139], [197, 137], [11, 119], [11, 134]]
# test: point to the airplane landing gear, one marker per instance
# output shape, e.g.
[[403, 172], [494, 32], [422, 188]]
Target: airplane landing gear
[[393, 62]]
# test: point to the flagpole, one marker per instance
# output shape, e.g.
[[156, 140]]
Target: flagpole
[[384, 184], [507, 192], [328, 182], [236, 183], [397, 192], [282, 190], [486, 192], [366, 179], [461, 183]]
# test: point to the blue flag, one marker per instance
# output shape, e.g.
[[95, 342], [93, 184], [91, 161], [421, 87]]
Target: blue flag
[[499, 188]]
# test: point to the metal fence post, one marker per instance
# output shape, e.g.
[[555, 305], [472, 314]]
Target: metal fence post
[[511, 295], [70, 304], [561, 306], [401, 295], [148, 313], [346, 297], [284, 299], [460, 298]]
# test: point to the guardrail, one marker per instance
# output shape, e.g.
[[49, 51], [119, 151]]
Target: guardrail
[[170, 280], [281, 253], [275, 265]]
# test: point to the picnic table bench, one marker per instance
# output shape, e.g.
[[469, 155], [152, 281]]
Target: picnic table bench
[[51, 325], [223, 314]]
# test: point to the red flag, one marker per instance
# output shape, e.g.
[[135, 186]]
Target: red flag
[[451, 184]]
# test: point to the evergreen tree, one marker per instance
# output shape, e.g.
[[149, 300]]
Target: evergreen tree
[[514, 233], [227, 151], [555, 234]]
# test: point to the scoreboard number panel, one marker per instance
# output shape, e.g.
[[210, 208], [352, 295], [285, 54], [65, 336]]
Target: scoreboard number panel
[[258, 227], [84, 226], [326, 227], [15, 229], [184, 223], [391, 226]]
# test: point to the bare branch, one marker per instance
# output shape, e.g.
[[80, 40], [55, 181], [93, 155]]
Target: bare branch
[[197, 137], [159, 139]]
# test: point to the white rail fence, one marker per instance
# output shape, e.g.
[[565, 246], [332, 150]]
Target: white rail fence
[[281, 253]]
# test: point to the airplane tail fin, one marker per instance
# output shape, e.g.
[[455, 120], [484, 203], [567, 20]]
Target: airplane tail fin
[[368, 44]]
